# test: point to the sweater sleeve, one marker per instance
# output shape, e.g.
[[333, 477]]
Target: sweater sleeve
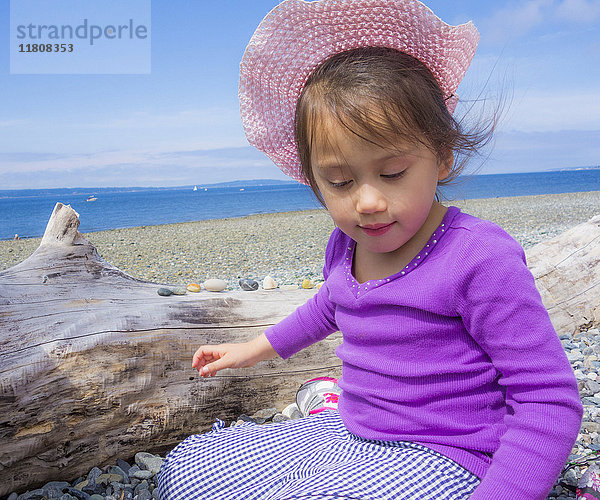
[[501, 307], [312, 321]]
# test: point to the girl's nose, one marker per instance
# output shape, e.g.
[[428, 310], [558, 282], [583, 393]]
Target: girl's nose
[[370, 200]]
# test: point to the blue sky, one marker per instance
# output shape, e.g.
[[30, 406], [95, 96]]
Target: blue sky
[[179, 124]]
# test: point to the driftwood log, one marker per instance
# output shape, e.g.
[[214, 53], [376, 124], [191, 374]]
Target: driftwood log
[[95, 365]]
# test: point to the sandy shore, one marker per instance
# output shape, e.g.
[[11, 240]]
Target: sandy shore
[[289, 246]]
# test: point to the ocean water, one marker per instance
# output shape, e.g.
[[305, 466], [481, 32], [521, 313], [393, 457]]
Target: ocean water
[[26, 212]]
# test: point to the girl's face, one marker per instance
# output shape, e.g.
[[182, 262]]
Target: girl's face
[[380, 197]]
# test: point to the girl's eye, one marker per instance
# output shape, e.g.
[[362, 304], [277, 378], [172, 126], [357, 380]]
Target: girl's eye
[[339, 184], [395, 175]]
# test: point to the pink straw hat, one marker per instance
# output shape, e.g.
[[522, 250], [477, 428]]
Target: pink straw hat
[[297, 36]]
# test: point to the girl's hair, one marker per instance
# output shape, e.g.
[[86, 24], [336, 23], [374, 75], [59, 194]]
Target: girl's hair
[[386, 97]]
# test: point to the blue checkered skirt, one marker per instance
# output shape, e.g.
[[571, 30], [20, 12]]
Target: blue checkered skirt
[[312, 457]]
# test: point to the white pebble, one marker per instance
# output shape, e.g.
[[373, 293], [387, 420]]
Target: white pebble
[[269, 283], [215, 285]]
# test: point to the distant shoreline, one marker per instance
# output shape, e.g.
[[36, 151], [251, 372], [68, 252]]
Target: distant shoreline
[[289, 246], [266, 182]]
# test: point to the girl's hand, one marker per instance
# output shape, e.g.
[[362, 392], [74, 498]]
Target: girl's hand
[[209, 359]]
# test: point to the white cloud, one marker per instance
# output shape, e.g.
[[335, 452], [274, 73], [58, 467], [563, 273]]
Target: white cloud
[[516, 20], [173, 167], [546, 111], [579, 11], [519, 19], [535, 151]]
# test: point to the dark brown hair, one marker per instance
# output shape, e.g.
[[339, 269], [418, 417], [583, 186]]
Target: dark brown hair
[[383, 96]]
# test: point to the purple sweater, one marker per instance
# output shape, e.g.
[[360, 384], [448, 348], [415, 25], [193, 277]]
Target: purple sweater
[[455, 352]]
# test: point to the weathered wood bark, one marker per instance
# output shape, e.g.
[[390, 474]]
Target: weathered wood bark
[[567, 273], [95, 365]]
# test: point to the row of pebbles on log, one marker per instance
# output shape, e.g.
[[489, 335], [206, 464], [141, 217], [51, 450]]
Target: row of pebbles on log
[[138, 482], [246, 284]]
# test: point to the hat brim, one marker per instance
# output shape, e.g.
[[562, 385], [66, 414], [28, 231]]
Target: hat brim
[[297, 36]]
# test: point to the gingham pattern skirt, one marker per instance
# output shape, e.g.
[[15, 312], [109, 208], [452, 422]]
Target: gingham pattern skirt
[[312, 457]]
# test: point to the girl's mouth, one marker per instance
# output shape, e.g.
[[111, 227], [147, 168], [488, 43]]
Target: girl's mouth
[[376, 229]]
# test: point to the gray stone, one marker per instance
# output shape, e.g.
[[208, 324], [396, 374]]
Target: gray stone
[[280, 418], [149, 462], [33, 495], [143, 485], [144, 495], [179, 291], [106, 479], [570, 477], [81, 495], [56, 485], [590, 427], [123, 465], [248, 284], [96, 497], [164, 292], [115, 469], [574, 355], [143, 474], [267, 414], [593, 386], [12, 496], [155, 495], [66, 496], [93, 475]]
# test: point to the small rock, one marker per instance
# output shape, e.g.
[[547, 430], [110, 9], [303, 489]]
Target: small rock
[[307, 284], [67, 496], [215, 285], [93, 474], [149, 462], [133, 470], [194, 287], [106, 479], [33, 495], [269, 283], [570, 477], [574, 355], [54, 489], [179, 291], [164, 292], [593, 386], [292, 412], [80, 495], [143, 485], [12, 496], [246, 418], [144, 495], [248, 285], [142, 474], [120, 470], [266, 414], [280, 417]]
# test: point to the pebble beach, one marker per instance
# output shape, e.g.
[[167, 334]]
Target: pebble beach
[[290, 247]]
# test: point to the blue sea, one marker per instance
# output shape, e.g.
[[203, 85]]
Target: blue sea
[[26, 212]]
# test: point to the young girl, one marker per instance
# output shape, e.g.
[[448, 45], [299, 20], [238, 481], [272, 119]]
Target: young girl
[[454, 384]]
